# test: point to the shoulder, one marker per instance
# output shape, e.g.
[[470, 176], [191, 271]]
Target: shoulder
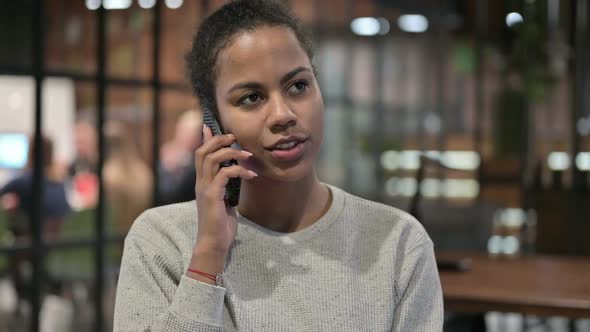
[[374, 218], [19, 183]]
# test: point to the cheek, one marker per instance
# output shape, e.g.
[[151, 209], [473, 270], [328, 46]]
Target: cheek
[[244, 129]]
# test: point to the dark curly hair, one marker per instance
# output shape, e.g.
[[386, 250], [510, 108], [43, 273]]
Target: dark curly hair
[[216, 32]]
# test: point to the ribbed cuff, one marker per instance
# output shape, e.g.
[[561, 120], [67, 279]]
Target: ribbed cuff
[[199, 301]]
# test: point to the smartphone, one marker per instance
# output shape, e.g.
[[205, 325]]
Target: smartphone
[[232, 189]]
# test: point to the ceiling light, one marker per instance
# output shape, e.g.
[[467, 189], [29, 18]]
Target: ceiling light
[[365, 26], [146, 4], [513, 19], [93, 4], [174, 4], [117, 4], [413, 23], [558, 161]]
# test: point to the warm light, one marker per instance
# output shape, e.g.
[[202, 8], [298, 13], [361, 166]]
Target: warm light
[[93, 4], [513, 19], [413, 23], [174, 4], [146, 4], [558, 161], [117, 4]]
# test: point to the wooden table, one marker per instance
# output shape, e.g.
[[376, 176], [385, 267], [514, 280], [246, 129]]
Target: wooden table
[[537, 285]]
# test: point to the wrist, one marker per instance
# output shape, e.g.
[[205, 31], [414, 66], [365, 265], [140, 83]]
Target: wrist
[[208, 260]]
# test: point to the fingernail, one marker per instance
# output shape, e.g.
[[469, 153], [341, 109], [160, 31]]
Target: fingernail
[[249, 154], [252, 173]]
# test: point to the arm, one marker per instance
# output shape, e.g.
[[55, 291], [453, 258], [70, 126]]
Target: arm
[[420, 304], [151, 296], [13, 185]]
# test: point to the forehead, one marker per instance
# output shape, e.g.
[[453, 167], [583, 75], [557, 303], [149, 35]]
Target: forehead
[[268, 50]]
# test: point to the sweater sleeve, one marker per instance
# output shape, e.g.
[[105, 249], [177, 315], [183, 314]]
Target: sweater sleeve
[[151, 298], [420, 306]]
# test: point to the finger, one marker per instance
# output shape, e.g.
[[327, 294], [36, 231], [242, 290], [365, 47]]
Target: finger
[[211, 144], [212, 161], [206, 133], [226, 173]]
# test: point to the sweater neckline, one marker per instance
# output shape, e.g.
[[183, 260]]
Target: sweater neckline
[[332, 214]]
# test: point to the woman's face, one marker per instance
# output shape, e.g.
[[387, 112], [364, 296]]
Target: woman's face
[[266, 95]]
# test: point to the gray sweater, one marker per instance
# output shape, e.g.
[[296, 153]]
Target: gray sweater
[[363, 266]]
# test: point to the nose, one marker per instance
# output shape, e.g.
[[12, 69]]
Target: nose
[[281, 116]]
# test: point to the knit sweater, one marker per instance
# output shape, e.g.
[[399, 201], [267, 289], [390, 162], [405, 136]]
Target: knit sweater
[[363, 266]]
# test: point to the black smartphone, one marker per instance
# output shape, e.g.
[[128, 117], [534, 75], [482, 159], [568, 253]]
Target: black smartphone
[[232, 189]]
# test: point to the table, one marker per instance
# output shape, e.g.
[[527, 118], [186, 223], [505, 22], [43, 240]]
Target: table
[[536, 285]]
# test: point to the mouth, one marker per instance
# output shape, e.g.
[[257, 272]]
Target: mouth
[[288, 143], [290, 149]]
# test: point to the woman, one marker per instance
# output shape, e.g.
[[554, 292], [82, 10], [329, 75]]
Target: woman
[[295, 254]]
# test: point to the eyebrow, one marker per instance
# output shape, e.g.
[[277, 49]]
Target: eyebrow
[[284, 79]]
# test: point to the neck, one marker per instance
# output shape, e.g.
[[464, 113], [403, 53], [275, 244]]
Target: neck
[[285, 206]]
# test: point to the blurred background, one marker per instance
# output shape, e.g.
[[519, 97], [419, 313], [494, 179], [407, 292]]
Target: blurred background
[[473, 115]]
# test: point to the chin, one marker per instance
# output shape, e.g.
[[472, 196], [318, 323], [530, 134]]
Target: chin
[[289, 174]]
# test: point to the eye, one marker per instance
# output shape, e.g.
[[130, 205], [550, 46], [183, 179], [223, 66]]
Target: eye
[[298, 87], [250, 99]]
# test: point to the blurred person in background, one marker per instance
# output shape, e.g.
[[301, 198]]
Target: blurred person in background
[[86, 146], [83, 170], [17, 195], [128, 179], [17, 200], [177, 173]]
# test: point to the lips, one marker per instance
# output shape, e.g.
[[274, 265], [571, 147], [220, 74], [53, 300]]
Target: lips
[[288, 149], [286, 143]]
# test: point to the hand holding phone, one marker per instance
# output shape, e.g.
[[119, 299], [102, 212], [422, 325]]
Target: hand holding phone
[[216, 165]]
